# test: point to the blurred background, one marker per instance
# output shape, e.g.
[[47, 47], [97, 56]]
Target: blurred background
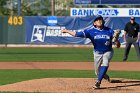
[[38, 23], [23, 20], [47, 7]]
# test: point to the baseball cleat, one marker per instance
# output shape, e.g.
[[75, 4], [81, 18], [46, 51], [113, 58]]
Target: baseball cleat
[[97, 84], [125, 59], [106, 77]]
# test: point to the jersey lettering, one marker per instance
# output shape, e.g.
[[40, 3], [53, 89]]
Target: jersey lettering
[[101, 37]]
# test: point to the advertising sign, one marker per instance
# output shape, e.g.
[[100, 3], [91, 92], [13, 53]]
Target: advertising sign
[[106, 12], [113, 2]]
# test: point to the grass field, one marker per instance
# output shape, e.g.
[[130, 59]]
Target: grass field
[[57, 54], [12, 76]]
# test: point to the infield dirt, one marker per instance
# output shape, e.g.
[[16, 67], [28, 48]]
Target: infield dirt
[[72, 85]]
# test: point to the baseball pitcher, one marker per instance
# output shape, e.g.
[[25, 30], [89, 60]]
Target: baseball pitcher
[[101, 38]]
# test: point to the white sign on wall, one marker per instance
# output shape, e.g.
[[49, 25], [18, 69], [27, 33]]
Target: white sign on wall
[[106, 12]]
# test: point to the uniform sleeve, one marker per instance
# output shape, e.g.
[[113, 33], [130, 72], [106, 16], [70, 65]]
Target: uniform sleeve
[[126, 28], [112, 31], [138, 28], [84, 34]]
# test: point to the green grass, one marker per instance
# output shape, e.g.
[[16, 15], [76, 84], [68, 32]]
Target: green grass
[[57, 54], [13, 76], [45, 54]]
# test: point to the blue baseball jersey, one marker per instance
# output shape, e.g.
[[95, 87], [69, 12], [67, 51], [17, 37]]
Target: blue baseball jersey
[[101, 39]]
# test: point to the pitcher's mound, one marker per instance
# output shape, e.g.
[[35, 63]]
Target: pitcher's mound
[[73, 85]]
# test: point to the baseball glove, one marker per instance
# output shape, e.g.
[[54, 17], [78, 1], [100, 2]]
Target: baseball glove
[[116, 35], [117, 44]]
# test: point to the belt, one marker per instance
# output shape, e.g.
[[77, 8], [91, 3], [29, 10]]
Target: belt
[[100, 52], [132, 36]]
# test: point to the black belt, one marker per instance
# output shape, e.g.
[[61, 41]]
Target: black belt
[[132, 36]]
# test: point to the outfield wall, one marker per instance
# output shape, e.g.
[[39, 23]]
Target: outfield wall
[[11, 32], [46, 30]]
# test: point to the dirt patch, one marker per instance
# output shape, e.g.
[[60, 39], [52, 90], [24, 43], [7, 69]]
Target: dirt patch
[[73, 85], [125, 66]]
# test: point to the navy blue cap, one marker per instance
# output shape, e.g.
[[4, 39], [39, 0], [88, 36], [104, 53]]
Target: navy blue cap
[[98, 17], [132, 18]]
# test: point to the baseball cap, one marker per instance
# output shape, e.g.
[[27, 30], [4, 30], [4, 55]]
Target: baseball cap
[[98, 17], [132, 18]]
